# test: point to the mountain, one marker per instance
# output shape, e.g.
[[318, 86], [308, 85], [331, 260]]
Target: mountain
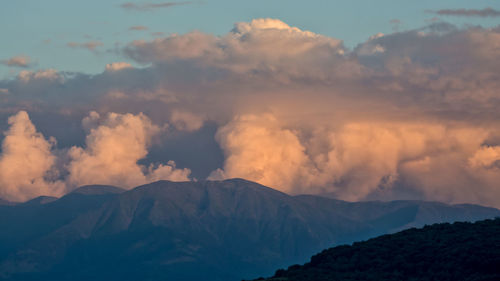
[[445, 252], [207, 230], [98, 189], [40, 200], [4, 202]]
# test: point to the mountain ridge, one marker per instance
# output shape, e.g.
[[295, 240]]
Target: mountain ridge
[[231, 229]]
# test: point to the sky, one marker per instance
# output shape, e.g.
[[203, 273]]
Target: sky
[[43, 29], [363, 100]]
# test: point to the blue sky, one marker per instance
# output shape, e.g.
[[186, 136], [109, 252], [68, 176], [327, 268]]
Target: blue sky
[[42, 29]]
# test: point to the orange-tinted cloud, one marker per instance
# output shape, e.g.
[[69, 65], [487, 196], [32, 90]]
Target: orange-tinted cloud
[[112, 151], [17, 61], [361, 160], [117, 66], [27, 162], [413, 114]]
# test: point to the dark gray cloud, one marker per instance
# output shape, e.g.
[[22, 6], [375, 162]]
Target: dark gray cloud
[[486, 12], [151, 6]]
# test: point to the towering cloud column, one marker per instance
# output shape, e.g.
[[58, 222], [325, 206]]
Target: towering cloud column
[[27, 162], [113, 147]]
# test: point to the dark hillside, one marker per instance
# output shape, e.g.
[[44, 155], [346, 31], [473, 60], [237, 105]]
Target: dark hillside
[[459, 251]]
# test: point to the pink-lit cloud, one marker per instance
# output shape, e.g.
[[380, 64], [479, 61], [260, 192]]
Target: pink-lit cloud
[[27, 162], [114, 145], [17, 61], [412, 114]]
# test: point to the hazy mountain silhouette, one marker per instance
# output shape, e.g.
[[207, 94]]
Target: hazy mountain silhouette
[[445, 252], [98, 189], [40, 200], [4, 202], [208, 230]]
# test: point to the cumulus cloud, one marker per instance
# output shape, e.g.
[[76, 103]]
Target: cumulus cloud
[[31, 166], [17, 61], [44, 74], [362, 160], [27, 162], [112, 150], [486, 12], [258, 149], [264, 45], [412, 114]]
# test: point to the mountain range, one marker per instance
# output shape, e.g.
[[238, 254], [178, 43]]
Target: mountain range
[[206, 230]]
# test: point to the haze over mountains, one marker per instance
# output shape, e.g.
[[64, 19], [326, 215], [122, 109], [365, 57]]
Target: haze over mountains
[[207, 230]]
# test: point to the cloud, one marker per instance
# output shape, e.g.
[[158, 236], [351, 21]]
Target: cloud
[[112, 150], [27, 162], [138, 28], [30, 165], [362, 160], [405, 115], [264, 45], [90, 45], [486, 12], [17, 61], [486, 157], [258, 149], [117, 66], [186, 121], [44, 74], [152, 6]]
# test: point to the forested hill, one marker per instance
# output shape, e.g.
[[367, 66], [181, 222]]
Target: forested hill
[[458, 251]]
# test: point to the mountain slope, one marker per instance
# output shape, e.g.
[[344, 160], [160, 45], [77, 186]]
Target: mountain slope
[[98, 190], [207, 230], [4, 202], [454, 252]]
